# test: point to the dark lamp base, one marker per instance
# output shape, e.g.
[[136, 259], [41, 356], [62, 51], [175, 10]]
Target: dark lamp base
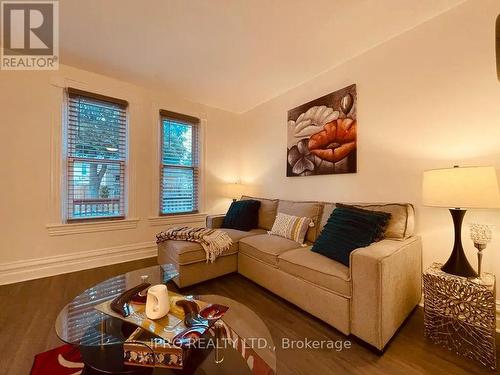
[[457, 263]]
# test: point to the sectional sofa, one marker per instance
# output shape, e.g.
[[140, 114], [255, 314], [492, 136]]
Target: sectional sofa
[[369, 299]]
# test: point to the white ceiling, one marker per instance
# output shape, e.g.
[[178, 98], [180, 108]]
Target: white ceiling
[[230, 54]]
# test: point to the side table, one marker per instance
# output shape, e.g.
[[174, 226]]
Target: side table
[[459, 314]]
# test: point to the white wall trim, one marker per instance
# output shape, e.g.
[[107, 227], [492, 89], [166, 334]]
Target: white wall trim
[[57, 165], [23, 270], [94, 226], [156, 221]]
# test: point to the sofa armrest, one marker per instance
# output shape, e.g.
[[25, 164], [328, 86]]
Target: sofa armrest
[[215, 221], [386, 287]]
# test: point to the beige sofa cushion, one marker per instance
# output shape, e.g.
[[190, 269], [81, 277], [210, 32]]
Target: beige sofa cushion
[[266, 247], [186, 252], [311, 210], [237, 235], [402, 222], [267, 211], [317, 269]]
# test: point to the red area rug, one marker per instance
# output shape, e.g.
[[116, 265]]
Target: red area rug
[[64, 360]]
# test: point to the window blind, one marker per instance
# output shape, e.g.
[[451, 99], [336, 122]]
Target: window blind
[[96, 147], [179, 177]]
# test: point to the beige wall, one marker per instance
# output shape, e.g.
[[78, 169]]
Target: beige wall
[[30, 126], [426, 99]]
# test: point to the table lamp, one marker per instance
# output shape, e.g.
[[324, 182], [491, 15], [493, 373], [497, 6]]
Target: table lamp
[[458, 188], [234, 190]]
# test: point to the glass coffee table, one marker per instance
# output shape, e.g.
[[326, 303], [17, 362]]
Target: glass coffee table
[[244, 345]]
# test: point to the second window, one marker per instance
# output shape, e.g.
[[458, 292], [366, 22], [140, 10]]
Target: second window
[[179, 169]]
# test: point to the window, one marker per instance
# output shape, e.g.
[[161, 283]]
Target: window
[[96, 149], [179, 163]]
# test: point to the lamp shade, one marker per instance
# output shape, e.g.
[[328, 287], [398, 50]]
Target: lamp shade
[[461, 187]]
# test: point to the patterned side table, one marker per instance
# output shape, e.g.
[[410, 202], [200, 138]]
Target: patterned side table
[[459, 314]]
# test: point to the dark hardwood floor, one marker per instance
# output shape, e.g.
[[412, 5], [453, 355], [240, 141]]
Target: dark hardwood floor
[[29, 310]]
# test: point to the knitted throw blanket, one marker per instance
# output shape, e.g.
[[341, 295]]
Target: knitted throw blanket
[[213, 241]]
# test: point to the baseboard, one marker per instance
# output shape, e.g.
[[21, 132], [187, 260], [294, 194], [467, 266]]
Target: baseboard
[[14, 272]]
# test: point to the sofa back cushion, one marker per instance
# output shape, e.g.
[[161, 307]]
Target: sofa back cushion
[[267, 211], [311, 210], [401, 224], [325, 215]]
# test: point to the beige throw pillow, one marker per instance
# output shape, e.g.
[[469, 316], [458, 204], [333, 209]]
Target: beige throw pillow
[[291, 227]]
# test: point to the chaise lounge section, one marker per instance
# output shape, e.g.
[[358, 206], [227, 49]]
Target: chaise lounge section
[[370, 299]]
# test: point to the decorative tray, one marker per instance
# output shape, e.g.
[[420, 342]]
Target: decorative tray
[[187, 320]]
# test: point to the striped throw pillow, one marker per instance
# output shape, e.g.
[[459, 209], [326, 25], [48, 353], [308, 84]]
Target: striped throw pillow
[[291, 227]]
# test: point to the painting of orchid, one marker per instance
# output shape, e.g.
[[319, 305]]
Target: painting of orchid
[[321, 135]]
